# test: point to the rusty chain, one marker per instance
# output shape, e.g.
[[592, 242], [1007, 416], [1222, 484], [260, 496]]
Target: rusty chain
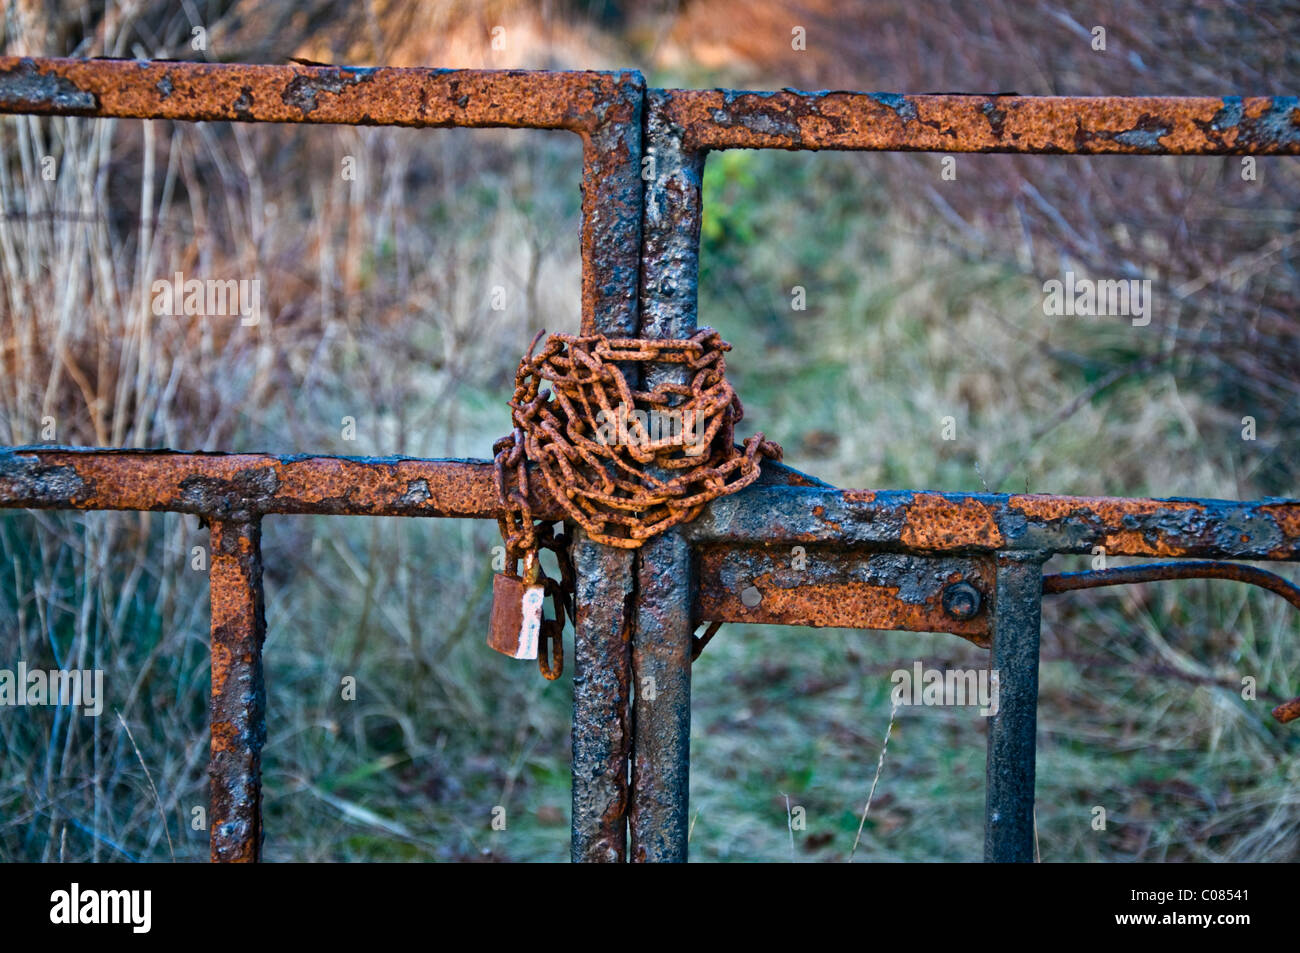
[[624, 464], [607, 485]]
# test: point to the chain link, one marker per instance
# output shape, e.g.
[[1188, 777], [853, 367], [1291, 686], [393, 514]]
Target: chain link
[[673, 450]]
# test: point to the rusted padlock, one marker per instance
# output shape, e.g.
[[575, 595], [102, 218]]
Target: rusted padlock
[[517, 610]]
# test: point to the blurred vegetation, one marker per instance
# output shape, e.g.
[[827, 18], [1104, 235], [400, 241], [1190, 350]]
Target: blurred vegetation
[[923, 300]]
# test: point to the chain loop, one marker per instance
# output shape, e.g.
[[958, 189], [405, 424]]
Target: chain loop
[[624, 464]]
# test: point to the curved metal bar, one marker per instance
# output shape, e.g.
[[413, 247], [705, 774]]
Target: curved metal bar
[[1200, 569], [1159, 572]]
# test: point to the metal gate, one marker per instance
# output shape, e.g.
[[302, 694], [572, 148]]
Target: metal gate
[[966, 564]]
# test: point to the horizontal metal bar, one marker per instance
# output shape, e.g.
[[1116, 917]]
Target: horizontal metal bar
[[708, 119], [1144, 125], [897, 520], [218, 484], [380, 96], [213, 484], [831, 586], [221, 484]]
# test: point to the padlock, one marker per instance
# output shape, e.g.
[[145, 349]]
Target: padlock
[[517, 610]]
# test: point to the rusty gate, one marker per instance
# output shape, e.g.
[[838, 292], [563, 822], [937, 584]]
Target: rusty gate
[[966, 564]]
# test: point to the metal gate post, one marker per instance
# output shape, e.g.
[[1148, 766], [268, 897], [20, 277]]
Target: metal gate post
[[237, 707], [1009, 805], [601, 697], [661, 715], [661, 645], [611, 249]]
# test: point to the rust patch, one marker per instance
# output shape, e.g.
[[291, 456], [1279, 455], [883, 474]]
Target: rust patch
[[1287, 517], [237, 709], [1287, 711], [935, 522], [1122, 526], [1105, 509]]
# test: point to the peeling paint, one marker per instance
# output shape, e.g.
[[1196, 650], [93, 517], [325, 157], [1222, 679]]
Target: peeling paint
[[902, 106], [302, 90], [24, 87]]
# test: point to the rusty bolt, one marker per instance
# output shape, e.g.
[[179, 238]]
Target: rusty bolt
[[751, 597], [961, 601]]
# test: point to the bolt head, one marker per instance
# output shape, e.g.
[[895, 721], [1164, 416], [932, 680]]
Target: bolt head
[[961, 601]]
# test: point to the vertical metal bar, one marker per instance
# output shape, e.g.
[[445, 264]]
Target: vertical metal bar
[[1009, 807], [611, 245], [661, 643], [661, 665], [602, 678], [611, 212], [238, 703]]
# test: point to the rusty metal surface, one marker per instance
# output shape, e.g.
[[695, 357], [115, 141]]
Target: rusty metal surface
[[584, 101], [602, 685], [50, 477], [829, 586], [674, 208], [1142, 125], [658, 820], [381, 96], [662, 645], [611, 207], [986, 522], [1287, 711], [603, 618], [238, 701], [1161, 572], [218, 484]]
